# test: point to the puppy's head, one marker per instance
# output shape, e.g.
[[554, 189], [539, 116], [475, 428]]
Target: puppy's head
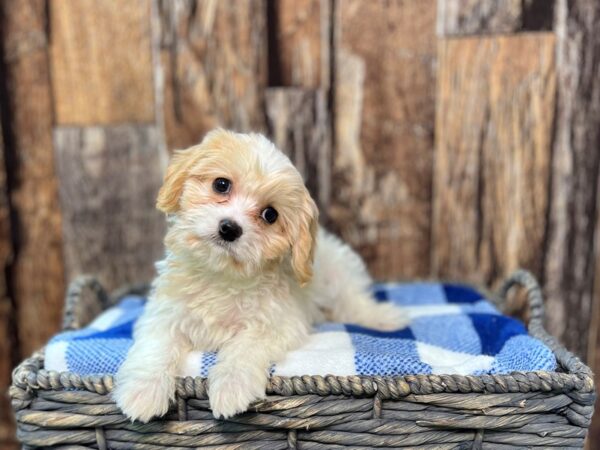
[[240, 204]]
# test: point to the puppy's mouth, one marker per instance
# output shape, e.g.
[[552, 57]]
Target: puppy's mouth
[[227, 249], [221, 243]]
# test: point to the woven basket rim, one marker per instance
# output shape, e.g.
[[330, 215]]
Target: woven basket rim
[[575, 375]]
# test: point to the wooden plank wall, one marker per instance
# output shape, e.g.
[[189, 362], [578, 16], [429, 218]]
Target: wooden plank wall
[[448, 138]]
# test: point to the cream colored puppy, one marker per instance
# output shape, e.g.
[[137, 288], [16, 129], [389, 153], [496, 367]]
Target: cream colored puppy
[[247, 272]]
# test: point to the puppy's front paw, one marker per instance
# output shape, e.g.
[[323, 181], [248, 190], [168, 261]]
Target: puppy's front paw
[[232, 390], [386, 317], [144, 398]]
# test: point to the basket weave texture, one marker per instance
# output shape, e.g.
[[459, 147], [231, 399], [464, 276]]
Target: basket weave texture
[[517, 410]]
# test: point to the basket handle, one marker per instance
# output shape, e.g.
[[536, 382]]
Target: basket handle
[[535, 300], [86, 298]]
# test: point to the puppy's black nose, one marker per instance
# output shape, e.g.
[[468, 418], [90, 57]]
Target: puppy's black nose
[[229, 230]]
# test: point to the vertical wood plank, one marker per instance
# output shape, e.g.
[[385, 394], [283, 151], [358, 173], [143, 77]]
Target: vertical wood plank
[[110, 177], [302, 42], [7, 343], [299, 123], [298, 114], [569, 270], [101, 61], [571, 263], [478, 17], [30, 238], [495, 103], [593, 336], [215, 64], [516, 156], [384, 119], [38, 271]]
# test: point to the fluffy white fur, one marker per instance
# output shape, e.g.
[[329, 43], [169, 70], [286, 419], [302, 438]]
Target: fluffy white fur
[[253, 299]]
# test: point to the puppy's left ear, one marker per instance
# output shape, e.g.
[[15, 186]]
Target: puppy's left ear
[[303, 248], [177, 173]]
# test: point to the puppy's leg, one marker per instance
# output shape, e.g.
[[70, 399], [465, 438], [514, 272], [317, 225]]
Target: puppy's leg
[[241, 373], [145, 383], [341, 286]]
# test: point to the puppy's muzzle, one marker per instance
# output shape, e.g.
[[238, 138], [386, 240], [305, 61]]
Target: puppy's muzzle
[[229, 230]]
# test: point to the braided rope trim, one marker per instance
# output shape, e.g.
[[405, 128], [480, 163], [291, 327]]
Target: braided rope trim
[[30, 374]]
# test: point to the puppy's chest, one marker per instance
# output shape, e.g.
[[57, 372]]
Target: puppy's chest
[[212, 321]]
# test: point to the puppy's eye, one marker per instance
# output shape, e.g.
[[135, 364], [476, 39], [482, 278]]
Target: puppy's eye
[[269, 214], [222, 185]]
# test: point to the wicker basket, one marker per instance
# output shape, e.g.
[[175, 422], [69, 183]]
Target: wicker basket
[[533, 410]]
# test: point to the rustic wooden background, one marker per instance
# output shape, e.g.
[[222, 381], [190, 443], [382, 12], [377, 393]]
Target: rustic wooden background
[[453, 138]]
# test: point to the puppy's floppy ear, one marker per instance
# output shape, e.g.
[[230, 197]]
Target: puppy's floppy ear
[[178, 170], [177, 173], [303, 248]]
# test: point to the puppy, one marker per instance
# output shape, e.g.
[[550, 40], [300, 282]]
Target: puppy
[[247, 272]]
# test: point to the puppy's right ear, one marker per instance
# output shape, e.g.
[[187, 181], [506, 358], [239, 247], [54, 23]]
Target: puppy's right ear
[[177, 173], [179, 167]]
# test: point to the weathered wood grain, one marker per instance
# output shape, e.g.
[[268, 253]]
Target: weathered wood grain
[[215, 64], [7, 325], [593, 336], [383, 122], [101, 61], [571, 260], [302, 41], [30, 238], [477, 17], [495, 103], [109, 180], [7, 346], [298, 120], [569, 269], [504, 195], [37, 271]]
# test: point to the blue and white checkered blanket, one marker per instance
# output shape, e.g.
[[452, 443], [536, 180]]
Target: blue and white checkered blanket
[[453, 330]]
